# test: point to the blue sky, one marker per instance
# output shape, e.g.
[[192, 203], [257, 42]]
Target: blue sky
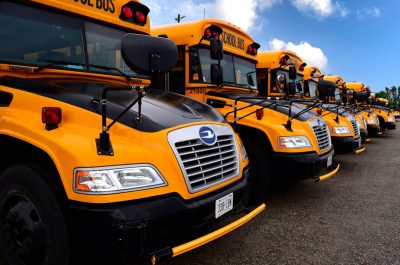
[[347, 38]]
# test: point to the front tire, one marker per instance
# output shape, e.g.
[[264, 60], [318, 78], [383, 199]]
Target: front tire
[[261, 168], [32, 227]]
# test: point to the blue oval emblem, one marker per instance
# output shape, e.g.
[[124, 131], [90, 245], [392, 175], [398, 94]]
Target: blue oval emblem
[[207, 135]]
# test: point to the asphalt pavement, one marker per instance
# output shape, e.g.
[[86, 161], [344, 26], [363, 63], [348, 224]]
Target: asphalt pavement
[[352, 218]]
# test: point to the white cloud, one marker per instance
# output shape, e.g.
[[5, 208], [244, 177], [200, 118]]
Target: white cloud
[[242, 13], [311, 55], [368, 12], [321, 8]]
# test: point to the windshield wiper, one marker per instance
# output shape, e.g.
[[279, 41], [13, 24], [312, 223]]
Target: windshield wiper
[[107, 68], [237, 85]]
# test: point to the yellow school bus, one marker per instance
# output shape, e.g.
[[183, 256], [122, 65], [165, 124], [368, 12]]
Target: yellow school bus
[[99, 166], [387, 119], [282, 73], [346, 98], [358, 94], [273, 141]]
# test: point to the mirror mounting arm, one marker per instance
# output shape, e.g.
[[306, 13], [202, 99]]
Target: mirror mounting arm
[[103, 143], [288, 124]]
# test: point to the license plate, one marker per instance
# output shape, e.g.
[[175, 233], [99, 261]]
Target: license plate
[[223, 205], [329, 161]]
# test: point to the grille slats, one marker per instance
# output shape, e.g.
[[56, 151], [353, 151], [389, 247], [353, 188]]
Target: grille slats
[[210, 169], [355, 128], [205, 166], [322, 133], [208, 163], [203, 157]]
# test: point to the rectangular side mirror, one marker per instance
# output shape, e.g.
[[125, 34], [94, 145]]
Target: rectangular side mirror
[[148, 55], [250, 80], [292, 72], [291, 88], [299, 87], [216, 72]]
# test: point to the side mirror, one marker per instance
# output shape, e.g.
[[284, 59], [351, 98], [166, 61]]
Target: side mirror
[[332, 91], [216, 72], [250, 80], [148, 55], [361, 96], [291, 88], [292, 72], [216, 50], [299, 87]]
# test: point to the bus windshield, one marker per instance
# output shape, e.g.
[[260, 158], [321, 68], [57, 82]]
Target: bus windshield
[[36, 37], [236, 71]]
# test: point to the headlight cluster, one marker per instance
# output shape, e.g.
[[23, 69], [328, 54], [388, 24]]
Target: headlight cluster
[[292, 142], [340, 130], [371, 121], [116, 179], [390, 119]]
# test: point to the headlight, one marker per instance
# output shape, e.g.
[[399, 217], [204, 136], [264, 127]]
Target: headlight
[[359, 124], [116, 179], [371, 121], [243, 152], [291, 142], [390, 119], [340, 130]]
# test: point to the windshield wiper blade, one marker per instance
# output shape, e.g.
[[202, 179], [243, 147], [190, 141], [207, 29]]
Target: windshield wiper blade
[[54, 62], [103, 67]]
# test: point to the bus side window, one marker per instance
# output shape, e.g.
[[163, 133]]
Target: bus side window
[[177, 74]]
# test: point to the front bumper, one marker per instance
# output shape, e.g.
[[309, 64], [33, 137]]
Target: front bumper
[[347, 144], [390, 125], [137, 230], [373, 130], [310, 165]]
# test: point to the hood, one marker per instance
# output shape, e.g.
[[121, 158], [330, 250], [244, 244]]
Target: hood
[[160, 110], [281, 106]]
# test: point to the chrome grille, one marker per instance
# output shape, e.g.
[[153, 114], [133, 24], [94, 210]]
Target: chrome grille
[[203, 165], [355, 127], [322, 134]]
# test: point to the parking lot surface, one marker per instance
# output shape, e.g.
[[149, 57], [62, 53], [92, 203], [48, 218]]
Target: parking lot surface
[[352, 218]]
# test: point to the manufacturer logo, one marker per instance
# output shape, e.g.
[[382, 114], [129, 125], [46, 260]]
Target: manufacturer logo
[[207, 136]]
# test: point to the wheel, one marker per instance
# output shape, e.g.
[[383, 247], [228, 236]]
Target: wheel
[[32, 228], [261, 168]]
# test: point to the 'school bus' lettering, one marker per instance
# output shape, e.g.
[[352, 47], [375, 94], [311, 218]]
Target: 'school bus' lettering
[[106, 5], [231, 40]]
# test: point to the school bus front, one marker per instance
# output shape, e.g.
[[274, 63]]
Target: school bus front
[[275, 66], [99, 166]]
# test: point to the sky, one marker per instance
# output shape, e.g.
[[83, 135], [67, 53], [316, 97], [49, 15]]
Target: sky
[[347, 38]]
